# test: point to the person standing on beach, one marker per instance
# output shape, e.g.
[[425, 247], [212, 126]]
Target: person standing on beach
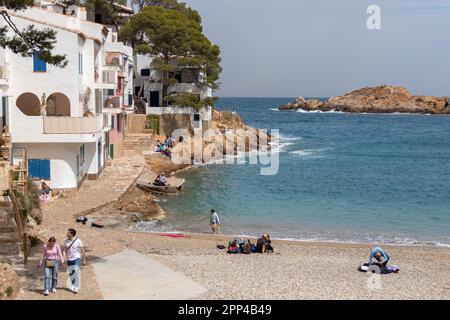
[[214, 221], [51, 258], [74, 251]]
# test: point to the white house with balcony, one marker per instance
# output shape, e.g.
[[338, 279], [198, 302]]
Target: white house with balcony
[[57, 114], [149, 87]]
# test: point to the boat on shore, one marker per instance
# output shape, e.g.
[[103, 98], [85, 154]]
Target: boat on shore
[[174, 185]]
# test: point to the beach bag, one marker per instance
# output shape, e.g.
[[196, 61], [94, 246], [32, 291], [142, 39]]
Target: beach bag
[[390, 269], [49, 263]]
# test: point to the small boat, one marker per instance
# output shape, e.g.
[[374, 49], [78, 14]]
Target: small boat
[[173, 186]]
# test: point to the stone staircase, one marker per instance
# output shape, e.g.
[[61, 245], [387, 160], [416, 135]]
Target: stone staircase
[[139, 103], [137, 123], [9, 239], [136, 143]]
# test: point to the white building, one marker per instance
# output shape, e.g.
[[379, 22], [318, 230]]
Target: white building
[[57, 114], [148, 86]]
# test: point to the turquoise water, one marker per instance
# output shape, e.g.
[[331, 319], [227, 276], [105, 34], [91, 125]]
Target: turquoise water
[[342, 177]]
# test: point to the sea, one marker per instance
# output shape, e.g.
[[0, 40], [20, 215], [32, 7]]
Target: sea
[[358, 178]]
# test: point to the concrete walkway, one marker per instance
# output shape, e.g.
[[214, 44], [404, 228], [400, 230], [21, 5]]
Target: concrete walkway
[[129, 275]]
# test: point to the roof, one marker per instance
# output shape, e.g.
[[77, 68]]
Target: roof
[[124, 8], [55, 2], [52, 25]]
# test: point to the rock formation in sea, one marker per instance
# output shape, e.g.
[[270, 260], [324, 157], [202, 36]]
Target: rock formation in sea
[[381, 99]]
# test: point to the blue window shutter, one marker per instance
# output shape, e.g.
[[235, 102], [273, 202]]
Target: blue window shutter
[[33, 168], [39, 169], [38, 64], [45, 169]]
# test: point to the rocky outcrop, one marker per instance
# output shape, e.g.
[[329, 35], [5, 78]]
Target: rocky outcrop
[[381, 99], [299, 103], [9, 282]]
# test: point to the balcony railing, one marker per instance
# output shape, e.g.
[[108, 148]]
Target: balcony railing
[[112, 102], [73, 125]]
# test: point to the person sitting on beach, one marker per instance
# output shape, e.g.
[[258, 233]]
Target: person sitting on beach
[[233, 246], [380, 256], [167, 153], [264, 244], [160, 180], [158, 145], [45, 189]]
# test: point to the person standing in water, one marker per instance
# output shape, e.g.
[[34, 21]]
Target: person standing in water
[[214, 221]]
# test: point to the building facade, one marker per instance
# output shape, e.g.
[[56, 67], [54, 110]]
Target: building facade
[[58, 114], [148, 87]]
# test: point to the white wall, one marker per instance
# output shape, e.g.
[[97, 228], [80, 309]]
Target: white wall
[[63, 161]]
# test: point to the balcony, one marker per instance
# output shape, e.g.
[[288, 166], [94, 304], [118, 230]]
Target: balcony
[[195, 88], [73, 125], [112, 102]]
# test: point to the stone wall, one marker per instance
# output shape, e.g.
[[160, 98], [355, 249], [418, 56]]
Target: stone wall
[[171, 122], [9, 282]]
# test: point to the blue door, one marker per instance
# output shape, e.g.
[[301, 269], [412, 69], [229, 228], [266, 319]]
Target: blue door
[[39, 169], [3, 123]]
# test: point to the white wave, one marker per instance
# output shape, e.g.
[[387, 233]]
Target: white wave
[[302, 153], [318, 111], [288, 138], [273, 109]]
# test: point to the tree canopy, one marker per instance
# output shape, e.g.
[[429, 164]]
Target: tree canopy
[[28, 40], [175, 42]]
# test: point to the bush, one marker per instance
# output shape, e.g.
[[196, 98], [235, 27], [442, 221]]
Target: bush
[[153, 123], [9, 291]]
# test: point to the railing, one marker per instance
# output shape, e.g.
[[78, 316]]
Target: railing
[[72, 125], [112, 102], [18, 179]]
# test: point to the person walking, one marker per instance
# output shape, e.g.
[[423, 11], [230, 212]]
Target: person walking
[[51, 258], [214, 221], [74, 252]]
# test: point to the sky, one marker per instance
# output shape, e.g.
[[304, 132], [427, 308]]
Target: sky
[[323, 48]]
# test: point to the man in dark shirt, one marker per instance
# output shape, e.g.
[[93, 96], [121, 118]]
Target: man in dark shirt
[[264, 244]]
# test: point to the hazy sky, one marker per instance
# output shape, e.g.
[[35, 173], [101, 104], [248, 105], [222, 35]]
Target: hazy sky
[[321, 48]]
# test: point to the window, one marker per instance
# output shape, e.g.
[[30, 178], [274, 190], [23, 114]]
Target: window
[[58, 105], [80, 63], [130, 100], [145, 72], [82, 154], [112, 122], [118, 124], [110, 92], [39, 168], [29, 104], [78, 165], [98, 18], [3, 114], [38, 64]]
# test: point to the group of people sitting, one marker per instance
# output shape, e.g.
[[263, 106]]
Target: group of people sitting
[[160, 180], [165, 147], [239, 245]]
